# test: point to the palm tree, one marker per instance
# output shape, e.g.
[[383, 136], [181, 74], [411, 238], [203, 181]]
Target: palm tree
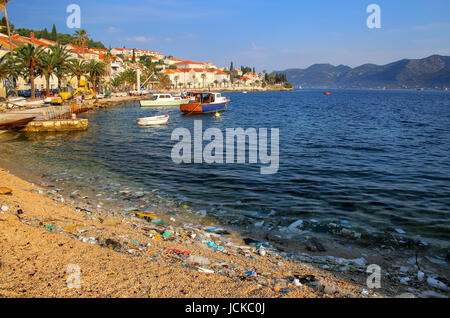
[[116, 81], [96, 71], [203, 76], [194, 79], [76, 68], [81, 38], [61, 59], [4, 69], [10, 71], [47, 66], [109, 58], [27, 58], [3, 7], [216, 82], [224, 81], [176, 78]]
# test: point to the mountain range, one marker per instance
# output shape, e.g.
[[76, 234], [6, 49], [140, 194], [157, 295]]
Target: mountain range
[[429, 73]]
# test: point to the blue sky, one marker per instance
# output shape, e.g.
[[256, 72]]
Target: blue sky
[[271, 35]]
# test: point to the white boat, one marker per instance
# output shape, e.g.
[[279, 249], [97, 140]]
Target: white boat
[[155, 120], [244, 92], [159, 100], [18, 101], [33, 102]]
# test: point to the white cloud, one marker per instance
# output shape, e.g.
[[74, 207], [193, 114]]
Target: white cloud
[[112, 29], [140, 39]]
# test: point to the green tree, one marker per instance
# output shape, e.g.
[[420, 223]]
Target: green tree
[[81, 39], [44, 34], [203, 76], [5, 65], [3, 7], [27, 58], [47, 66], [10, 71], [76, 68], [61, 60], [116, 81], [96, 71], [54, 34]]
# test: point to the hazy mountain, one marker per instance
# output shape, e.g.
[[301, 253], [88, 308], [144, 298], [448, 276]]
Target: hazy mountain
[[430, 72]]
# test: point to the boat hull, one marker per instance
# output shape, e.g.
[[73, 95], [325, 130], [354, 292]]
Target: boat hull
[[150, 103], [152, 121], [4, 124], [196, 108]]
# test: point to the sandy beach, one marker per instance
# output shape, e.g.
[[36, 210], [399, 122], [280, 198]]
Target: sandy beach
[[129, 257]]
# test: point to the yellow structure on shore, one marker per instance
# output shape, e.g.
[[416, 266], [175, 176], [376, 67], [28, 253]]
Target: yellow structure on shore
[[64, 96]]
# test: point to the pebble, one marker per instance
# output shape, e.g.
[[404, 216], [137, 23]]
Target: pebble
[[436, 284], [420, 276], [205, 270], [294, 227], [262, 251], [259, 224], [5, 208], [5, 190], [432, 294], [329, 290], [200, 260], [405, 280]]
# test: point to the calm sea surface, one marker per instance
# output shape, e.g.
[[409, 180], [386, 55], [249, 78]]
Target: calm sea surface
[[377, 161]]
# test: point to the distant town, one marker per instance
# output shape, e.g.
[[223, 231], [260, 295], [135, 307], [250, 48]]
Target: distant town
[[117, 69]]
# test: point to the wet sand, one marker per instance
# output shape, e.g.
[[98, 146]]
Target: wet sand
[[127, 256]]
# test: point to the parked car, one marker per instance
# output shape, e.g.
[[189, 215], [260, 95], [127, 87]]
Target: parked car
[[27, 93]]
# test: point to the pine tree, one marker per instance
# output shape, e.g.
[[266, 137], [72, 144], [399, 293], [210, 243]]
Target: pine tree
[[54, 35], [231, 66], [45, 34]]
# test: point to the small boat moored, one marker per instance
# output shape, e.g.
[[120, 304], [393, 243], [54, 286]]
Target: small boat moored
[[159, 100], [151, 121], [205, 103]]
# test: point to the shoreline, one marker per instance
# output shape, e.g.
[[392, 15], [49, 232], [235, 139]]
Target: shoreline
[[41, 234]]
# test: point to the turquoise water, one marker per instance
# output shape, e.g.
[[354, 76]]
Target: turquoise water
[[373, 163]]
